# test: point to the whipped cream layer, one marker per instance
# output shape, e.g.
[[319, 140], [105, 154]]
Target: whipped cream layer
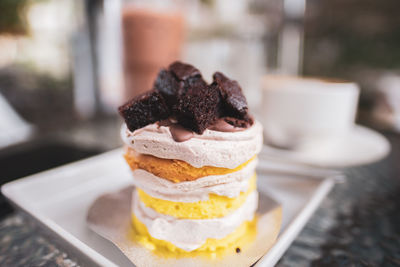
[[212, 148], [192, 234], [229, 185]]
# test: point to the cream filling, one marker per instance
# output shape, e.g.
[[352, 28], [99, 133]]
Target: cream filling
[[229, 185], [192, 234], [212, 148]]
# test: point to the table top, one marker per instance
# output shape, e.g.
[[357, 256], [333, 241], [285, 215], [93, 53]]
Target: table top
[[358, 223]]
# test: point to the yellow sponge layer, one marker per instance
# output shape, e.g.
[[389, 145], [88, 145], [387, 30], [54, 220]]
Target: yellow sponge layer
[[215, 207], [240, 238], [172, 169]]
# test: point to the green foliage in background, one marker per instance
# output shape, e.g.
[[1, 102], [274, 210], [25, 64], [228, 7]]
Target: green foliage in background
[[346, 35], [12, 16]]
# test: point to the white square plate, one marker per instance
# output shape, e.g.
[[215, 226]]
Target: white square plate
[[60, 198]]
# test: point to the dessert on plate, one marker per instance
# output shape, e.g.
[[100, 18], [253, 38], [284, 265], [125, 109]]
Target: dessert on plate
[[192, 148]]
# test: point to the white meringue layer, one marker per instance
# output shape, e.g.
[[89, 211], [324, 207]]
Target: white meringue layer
[[212, 148], [192, 234]]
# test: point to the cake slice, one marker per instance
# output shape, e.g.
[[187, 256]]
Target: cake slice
[[196, 194]]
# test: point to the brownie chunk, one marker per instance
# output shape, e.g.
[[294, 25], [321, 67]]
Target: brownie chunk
[[190, 78], [176, 80], [196, 103], [233, 102], [198, 107], [167, 84], [144, 109], [183, 71], [181, 93]]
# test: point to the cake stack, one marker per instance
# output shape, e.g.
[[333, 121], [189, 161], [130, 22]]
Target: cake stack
[[193, 150]]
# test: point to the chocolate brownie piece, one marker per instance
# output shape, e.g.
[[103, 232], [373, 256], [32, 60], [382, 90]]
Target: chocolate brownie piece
[[233, 102], [198, 107], [144, 109], [181, 93], [189, 77], [183, 71], [172, 83], [167, 84]]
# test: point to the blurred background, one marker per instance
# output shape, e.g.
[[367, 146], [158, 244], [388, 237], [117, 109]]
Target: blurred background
[[66, 65]]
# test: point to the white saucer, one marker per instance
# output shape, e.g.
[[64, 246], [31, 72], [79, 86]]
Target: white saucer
[[361, 146]]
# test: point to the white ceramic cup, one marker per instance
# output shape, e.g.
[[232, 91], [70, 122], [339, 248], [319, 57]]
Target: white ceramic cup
[[298, 111]]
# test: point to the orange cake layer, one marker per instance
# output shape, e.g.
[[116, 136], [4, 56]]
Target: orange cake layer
[[172, 169]]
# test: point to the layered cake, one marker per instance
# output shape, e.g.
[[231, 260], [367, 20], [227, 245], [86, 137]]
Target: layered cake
[[192, 148]]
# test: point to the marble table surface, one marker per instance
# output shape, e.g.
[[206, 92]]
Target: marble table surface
[[358, 224]]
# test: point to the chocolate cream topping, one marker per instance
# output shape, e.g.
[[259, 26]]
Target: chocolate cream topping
[[222, 126], [180, 134]]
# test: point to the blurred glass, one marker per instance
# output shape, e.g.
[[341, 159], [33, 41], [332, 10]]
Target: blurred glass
[[227, 36], [153, 34]]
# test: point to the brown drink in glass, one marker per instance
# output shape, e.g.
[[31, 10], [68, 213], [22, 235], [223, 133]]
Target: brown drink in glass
[[152, 40]]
